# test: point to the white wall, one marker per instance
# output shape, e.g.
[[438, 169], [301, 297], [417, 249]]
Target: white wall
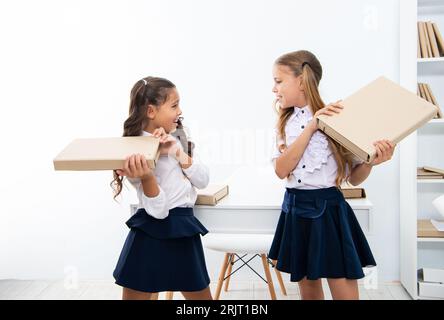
[[66, 71]]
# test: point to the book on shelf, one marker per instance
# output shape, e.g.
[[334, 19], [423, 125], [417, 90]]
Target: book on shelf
[[423, 173], [433, 169], [425, 92], [352, 192], [430, 41], [212, 194]]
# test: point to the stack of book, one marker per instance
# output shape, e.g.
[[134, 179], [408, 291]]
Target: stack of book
[[430, 173], [424, 91], [430, 41]]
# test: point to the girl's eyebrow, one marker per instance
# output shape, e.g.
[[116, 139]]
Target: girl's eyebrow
[[176, 101]]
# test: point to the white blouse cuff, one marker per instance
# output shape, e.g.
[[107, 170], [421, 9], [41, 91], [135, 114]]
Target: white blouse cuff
[[155, 206]]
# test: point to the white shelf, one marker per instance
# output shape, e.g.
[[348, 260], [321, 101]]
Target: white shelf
[[430, 3], [430, 60], [412, 193], [430, 181], [431, 66], [436, 121], [423, 239]]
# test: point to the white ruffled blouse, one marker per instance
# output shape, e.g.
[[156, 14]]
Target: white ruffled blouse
[[317, 168]]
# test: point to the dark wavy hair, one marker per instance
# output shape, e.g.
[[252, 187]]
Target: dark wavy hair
[[147, 91]]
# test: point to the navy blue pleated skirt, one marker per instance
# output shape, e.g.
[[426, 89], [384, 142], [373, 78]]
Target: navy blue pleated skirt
[[163, 254], [318, 236]]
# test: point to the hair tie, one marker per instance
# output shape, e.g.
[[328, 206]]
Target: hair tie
[[144, 81], [304, 63]]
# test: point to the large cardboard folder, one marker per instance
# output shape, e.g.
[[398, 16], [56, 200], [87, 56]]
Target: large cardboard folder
[[106, 153], [380, 110]]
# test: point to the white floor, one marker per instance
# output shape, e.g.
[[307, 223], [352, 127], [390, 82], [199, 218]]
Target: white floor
[[107, 290]]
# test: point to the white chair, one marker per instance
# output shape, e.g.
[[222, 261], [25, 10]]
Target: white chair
[[236, 247]]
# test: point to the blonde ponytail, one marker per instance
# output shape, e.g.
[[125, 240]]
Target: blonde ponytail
[[306, 64]]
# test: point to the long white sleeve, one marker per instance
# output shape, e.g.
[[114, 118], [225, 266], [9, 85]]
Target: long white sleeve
[[157, 206], [198, 174]]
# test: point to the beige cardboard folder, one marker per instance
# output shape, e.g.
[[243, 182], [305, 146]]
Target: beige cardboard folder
[[380, 110], [353, 193], [106, 153], [211, 195]]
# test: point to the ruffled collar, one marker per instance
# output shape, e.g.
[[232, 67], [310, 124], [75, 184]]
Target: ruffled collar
[[297, 110]]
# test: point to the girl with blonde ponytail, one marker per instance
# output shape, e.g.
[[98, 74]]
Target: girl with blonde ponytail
[[318, 235]]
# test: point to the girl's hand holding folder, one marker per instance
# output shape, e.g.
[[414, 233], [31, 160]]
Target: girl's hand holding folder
[[136, 167], [329, 110], [384, 151]]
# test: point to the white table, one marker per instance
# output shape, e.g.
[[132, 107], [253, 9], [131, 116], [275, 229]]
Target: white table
[[231, 216]]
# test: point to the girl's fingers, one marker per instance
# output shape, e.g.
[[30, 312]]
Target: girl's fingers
[[158, 132], [391, 145], [378, 150], [387, 146], [145, 167], [132, 164], [337, 105], [138, 163]]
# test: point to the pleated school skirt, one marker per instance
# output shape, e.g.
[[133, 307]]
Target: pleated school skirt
[[318, 236], [163, 254]]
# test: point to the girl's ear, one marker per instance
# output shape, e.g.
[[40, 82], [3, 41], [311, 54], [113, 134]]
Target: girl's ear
[[151, 112], [301, 85]]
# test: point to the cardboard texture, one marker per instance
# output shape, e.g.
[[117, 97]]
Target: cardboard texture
[[105, 153], [427, 37], [211, 195], [439, 39], [422, 173], [427, 230], [432, 169], [352, 192], [433, 42], [380, 110], [422, 40], [425, 92]]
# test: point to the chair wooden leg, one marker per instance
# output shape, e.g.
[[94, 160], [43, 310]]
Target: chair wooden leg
[[230, 267], [155, 296], [223, 270], [279, 277], [268, 276], [169, 295]]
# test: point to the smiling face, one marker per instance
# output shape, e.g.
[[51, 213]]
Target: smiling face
[[288, 88], [166, 115]]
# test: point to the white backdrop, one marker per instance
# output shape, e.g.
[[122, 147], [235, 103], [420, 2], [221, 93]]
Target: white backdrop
[[66, 71]]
